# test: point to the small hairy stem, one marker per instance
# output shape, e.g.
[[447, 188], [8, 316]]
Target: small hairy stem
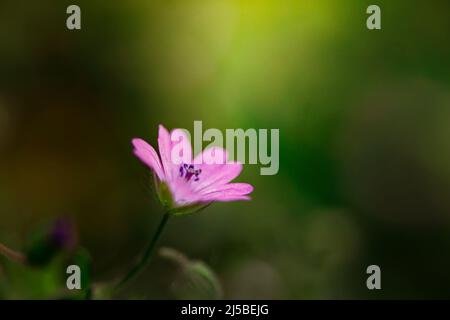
[[11, 254], [145, 256]]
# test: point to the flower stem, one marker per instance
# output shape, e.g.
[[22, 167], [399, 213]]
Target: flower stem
[[146, 255], [11, 254]]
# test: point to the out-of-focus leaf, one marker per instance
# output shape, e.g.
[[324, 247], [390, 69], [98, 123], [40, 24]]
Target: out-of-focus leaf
[[46, 243], [24, 282], [195, 280]]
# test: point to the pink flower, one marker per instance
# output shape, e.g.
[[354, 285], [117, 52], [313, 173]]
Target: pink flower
[[185, 184]]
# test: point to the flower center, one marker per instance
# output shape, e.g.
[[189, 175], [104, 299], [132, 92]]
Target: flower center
[[188, 171]]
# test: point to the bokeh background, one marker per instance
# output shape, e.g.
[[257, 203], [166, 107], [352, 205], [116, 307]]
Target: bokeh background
[[364, 119]]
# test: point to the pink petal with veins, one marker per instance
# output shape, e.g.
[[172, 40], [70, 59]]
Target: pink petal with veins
[[219, 175], [225, 198], [212, 156], [229, 189], [165, 148], [148, 156], [181, 151]]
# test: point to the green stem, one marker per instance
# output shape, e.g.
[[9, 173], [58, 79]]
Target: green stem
[[146, 256]]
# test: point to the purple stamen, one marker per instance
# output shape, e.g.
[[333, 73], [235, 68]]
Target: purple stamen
[[189, 171]]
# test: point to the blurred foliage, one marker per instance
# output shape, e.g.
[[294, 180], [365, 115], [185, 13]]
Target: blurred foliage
[[49, 242], [195, 279], [22, 282], [51, 249], [364, 121]]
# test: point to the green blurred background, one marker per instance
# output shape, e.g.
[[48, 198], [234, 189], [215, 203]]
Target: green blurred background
[[364, 119]]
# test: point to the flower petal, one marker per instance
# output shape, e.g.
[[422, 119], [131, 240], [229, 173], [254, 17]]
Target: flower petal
[[228, 192], [181, 150], [148, 156], [217, 175], [206, 157], [229, 189], [182, 193], [224, 198], [165, 147]]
